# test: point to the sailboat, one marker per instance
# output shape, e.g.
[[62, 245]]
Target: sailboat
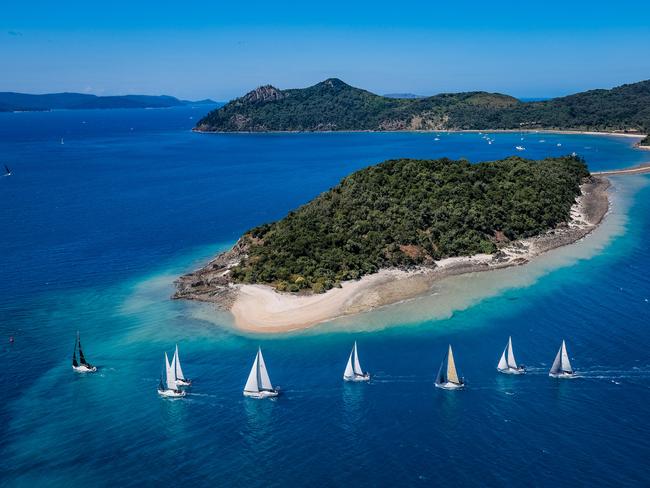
[[81, 366], [507, 363], [259, 384], [169, 388], [447, 375], [181, 380], [562, 366], [7, 171], [353, 371]]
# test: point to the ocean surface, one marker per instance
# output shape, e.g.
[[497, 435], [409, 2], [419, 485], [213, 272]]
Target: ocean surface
[[105, 208]]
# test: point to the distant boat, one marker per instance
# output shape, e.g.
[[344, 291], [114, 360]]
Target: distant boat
[[436, 138], [507, 363], [542, 140], [558, 144], [259, 384], [81, 366], [7, 171], [62, 141], [562, 366], [181, 380], [520, 148], [447, 375], [169, 387], [353, 371]]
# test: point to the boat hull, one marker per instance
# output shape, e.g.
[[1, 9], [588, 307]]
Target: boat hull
[[450, 386], [518, 370], [171, 393], [358, 378], [82, 368], [563, 376], [261, 394]]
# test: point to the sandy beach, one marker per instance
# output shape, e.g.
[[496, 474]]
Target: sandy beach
[[259, 308]]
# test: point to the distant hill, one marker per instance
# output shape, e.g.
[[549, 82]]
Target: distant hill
[[334, 105], [11, 101]]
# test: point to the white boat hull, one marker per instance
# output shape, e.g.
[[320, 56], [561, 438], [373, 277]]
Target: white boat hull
[[357, 377], [82, 368], [167, 393], [519, 370], [563, 376], [450, 386], [261, 394]]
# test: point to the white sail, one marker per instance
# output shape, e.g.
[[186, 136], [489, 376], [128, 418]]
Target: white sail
[[170, 374], [557, 364], [356, 365], [252, 384], [178, 369], [565, 363], [503, 364], [349, 371], [511, 355], [452, 375], [263, 378]]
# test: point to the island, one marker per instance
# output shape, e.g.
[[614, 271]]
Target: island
[[387, 232], [333, 105], [24, 102]]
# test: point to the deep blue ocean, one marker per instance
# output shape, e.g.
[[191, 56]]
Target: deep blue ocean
[[94, 230]]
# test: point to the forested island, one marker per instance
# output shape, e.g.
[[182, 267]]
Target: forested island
[[333, 105], [25, 102], [402, 213]]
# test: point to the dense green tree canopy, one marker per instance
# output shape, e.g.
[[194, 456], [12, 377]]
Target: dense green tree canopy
[[334, 105], [406, 212]]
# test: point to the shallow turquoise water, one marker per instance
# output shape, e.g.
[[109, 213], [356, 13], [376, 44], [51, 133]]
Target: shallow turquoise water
[[95, 230]]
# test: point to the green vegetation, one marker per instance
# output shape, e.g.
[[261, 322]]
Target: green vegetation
[[645, 142], [334, 105], [407, 212]]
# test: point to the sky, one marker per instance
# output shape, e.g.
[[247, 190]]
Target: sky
[[216, 49]]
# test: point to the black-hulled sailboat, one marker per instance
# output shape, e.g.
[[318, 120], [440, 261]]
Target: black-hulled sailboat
[[81, 366], [507, 363], [562, 366], [447, 378]]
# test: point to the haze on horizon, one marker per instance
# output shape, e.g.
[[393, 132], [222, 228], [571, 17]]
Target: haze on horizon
[[221, 51]]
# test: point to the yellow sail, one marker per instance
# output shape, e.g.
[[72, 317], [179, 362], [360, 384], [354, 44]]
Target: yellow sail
[[452, 375]]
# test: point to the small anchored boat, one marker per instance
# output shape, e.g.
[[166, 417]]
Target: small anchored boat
[[447, 378], [181, 380], [507, 363], [169, 388], [81, 366], [353, 371], [520, 148], [562, 366], [259, 384]]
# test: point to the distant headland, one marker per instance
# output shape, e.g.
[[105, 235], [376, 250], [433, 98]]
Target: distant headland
[[24, 102], [333, 105], [387, 232]]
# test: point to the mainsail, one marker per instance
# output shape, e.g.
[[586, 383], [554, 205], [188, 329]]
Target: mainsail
[[178, 369], [355, 364], [82, 359], [452, 375], [264, 381], [170, 374], [561, 363], [511, 355]]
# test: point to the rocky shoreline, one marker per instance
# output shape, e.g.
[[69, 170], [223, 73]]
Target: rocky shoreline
[[259, 307]]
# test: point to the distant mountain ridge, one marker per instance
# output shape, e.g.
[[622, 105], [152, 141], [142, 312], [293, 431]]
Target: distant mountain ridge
[[333, 105], [12, 101]]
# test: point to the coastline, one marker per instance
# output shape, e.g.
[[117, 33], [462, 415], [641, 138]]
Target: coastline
[[261, 309]]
